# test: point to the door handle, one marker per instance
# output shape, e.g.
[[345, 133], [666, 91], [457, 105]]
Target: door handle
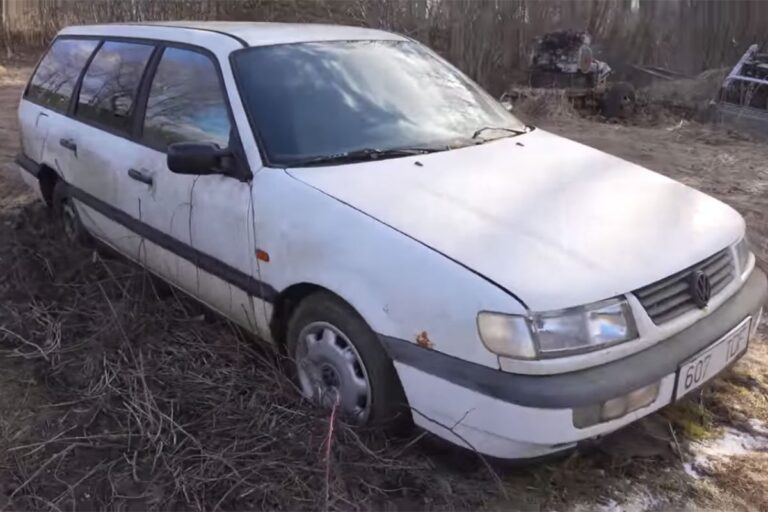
[[140, 176], [40, 116], [69, 144]]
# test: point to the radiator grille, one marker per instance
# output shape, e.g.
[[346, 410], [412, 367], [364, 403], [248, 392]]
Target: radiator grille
[[670, 297]]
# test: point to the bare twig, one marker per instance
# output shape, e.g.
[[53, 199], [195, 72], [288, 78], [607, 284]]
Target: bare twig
[[26, 343], [452, 430], [677, 445], [42, 468], [328, 442]]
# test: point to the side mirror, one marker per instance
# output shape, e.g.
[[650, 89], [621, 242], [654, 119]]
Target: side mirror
[[196, 158]]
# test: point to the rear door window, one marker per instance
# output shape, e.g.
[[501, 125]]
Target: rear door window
[[186, 102], [56, 75], [110, 84]]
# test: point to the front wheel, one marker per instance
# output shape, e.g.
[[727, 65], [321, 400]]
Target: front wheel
[[340, 360]]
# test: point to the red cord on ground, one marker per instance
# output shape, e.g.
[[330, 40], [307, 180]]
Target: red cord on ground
[[328, 441]]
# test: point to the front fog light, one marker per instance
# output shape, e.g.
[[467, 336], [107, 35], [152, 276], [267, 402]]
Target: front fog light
[[615, 408]]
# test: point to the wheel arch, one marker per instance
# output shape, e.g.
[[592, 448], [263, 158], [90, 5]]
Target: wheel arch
[[288, 300], [47, 178]]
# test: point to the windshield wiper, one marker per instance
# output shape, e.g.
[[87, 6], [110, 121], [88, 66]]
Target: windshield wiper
[[500, 128], [362, 155]]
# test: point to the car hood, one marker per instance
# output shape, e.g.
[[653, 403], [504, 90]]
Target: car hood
[[552, 221]]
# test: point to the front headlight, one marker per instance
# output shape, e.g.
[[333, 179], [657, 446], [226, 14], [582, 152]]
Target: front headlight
[[558, 333], [743, 252]]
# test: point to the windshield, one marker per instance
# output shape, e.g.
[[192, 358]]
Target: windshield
[[324, 99]]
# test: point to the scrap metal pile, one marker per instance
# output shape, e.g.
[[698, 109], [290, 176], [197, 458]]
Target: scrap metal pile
[[564, 61], [566, 51], [743, 98]]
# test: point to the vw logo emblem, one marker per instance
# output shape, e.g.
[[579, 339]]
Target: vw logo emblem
[[701, 289]]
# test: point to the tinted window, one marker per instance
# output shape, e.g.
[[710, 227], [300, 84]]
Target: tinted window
[[57, 74], [186, 102], [325, 98], [111, 82]]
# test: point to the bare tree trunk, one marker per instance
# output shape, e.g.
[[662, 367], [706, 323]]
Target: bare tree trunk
[[488, 39]]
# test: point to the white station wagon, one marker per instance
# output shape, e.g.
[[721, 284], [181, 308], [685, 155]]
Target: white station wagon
[[417, 250]]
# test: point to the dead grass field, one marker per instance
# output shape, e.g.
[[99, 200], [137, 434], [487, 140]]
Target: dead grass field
[[115, 393]]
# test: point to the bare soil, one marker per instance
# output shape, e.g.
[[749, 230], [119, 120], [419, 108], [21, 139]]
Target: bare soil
[[115, 393]]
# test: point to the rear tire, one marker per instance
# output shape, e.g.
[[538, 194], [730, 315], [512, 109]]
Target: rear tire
[[338, 357], [619, 101], [66, 213]]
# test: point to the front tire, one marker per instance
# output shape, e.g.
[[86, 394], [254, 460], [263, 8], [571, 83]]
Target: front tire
[[338, 357]]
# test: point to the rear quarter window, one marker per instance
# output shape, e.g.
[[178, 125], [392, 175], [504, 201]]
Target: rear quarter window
[[55, 77]]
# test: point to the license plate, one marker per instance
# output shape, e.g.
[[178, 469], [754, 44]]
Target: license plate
[[707, 363]]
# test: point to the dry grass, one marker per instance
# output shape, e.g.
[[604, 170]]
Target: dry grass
[[692, 419], [742, 395], [152, 404], [536, 105], [689, 92], [746, 477], [691, 98]]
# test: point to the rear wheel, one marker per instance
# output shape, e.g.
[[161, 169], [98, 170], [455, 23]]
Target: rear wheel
[[619, 101], [339, 359], [65, 212]]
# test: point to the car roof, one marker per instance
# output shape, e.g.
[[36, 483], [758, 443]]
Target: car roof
[[251, 33]]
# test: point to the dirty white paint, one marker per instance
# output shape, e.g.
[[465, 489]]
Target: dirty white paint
[[471, 203], [731, 443]]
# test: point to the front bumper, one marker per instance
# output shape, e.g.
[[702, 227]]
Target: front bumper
[[521, 416]]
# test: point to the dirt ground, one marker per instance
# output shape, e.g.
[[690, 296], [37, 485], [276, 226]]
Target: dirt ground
[[117, 394]]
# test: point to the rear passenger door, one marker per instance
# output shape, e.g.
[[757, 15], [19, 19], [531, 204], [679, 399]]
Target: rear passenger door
[[47, 98], [99, 145], [210, 252]]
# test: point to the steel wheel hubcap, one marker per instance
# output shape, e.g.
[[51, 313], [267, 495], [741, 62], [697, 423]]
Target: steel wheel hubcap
[[627, 103], [70, 220], [331, 371]]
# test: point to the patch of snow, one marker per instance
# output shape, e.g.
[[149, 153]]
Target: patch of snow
[[688, 468], [705, 453], [732, 443], [639, 500], [758, 427]]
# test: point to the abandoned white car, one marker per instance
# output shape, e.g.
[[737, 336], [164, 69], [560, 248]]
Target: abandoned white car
[[417, 250]]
